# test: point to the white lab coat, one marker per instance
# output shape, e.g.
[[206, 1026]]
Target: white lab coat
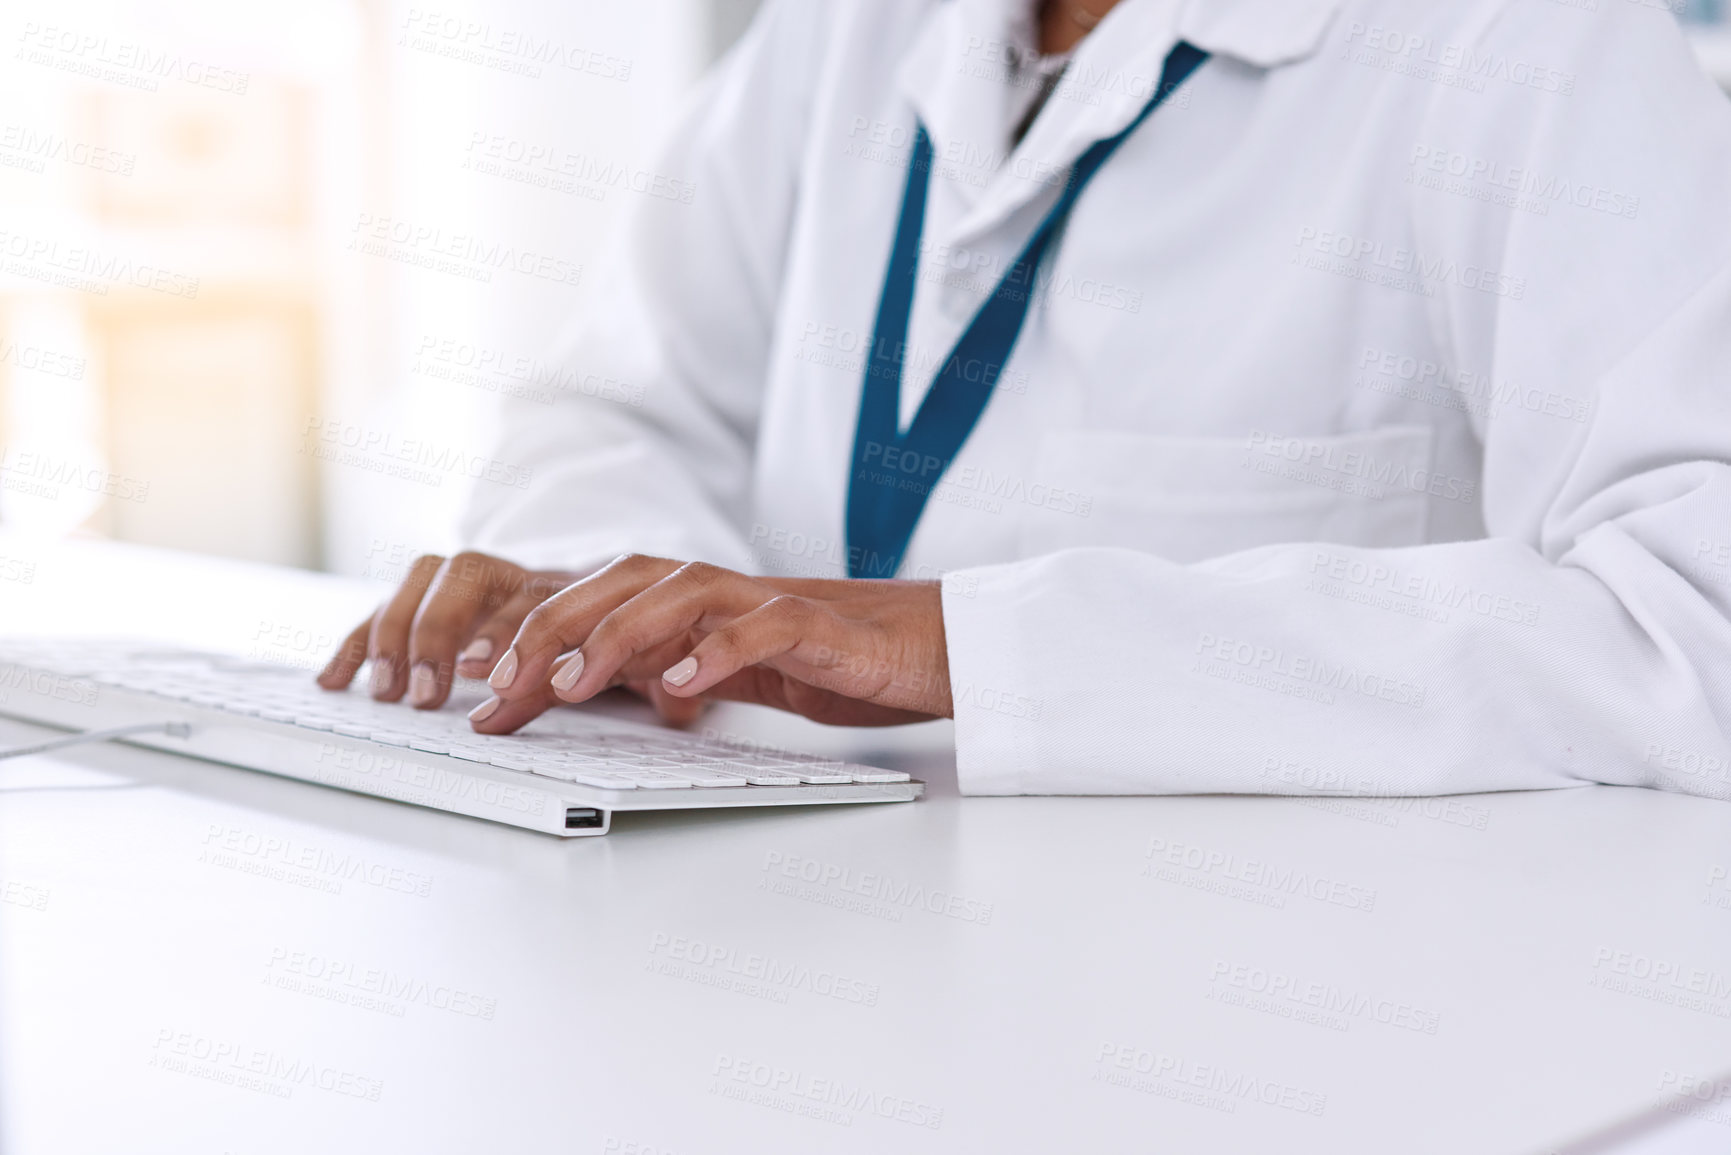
[[1370, 434]]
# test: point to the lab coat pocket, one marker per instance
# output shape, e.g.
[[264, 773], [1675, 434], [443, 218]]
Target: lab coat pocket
[[1190, 498]]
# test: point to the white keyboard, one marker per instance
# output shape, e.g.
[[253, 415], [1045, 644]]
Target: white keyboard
[[564, 773]]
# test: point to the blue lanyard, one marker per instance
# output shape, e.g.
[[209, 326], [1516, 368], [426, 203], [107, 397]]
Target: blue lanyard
[[893, 474]]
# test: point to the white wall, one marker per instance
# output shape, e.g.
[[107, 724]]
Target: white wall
[[460, 133], [267, 414]]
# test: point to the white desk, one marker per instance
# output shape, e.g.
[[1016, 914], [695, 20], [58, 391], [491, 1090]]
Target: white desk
[[411, 981]]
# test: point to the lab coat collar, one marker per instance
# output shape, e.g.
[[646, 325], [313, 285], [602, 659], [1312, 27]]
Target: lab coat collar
[[1262, 33], [948, 75], [952, 78]]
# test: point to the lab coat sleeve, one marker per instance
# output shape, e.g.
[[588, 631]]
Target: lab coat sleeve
[[1586, 638], [648, 447]]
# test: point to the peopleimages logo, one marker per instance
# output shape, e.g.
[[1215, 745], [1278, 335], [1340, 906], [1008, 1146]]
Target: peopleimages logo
[[470, 363], [838, 1094], [1116, 1062], [343, 980], [1428, 58], [1303, 669], [50, 685], [1255, 872], [1662, 980], [39, 360], [1426, 269], [24, 895], [336, 440], [757, 972], [423, 781], [840, 348], [1422, 379], [1543, 189], [1448, 593], [42, 475], [123, 62], [40, 147], [86, 269], [1376, 474], [229, 1061], [422, 244], [922, 473], [227, 845], [1282, 990], [495, 154], [507, 49], [891, 891]]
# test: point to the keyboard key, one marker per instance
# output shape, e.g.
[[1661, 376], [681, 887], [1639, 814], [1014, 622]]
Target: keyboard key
[[656, 780], [879, 777], [548, 769], [605, 781], [763, 776], [821, 773], [708, 778]]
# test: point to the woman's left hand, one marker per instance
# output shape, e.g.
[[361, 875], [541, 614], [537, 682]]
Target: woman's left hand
[[856, 653]]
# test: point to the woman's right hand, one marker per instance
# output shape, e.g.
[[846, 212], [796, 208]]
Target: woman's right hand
[[451, 616]]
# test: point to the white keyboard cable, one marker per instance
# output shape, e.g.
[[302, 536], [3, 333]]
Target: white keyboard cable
[[172, 729]]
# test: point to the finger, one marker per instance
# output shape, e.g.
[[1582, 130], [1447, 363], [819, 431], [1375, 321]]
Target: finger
[[492, 636], [774, 629], [769, 631], [389, 643], [671, 710], [693, 596], [676, 712], [465, 589], [764, 686], [501, 716], [563, 621], [340, 670]]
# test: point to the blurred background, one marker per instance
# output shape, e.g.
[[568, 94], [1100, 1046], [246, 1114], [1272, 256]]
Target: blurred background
[[267, 265]]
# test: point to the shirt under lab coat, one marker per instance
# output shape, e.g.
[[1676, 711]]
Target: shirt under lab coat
[[1369, 433]]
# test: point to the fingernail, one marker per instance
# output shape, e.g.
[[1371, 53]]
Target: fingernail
[[484, 711], [505, 672], [381, 678], [569, 673], [478, 650], [681, 673], [423, 683]]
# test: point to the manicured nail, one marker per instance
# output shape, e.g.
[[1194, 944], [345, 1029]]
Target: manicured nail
[[423, 683], [381, 679], [569, 673], [505, 672], [681, 673], [484, 711], [478, 650]]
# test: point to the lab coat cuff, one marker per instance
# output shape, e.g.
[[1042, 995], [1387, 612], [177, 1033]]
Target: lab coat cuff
[[997, 709]]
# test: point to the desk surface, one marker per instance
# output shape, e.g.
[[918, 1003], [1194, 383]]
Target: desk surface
[[198, 959]]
